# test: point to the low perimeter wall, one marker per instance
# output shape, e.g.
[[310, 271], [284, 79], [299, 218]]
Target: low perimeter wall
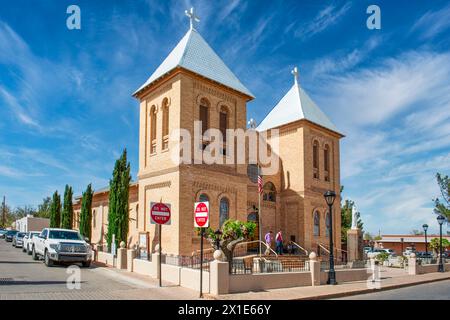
[[346, 275], [106, 258], [429, 268], [264, 281], [185, 277]]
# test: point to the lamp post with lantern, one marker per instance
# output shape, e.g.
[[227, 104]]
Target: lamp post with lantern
[[330, 196], [440, 220]]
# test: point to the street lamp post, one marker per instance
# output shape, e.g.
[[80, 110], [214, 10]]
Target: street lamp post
[[440, 220], [401, 240], [425, 228], [329, 198]]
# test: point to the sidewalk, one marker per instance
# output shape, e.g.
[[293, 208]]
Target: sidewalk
[[391, 279]]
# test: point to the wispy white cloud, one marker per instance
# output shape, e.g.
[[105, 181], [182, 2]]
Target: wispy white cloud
[[337, 63], [395, 113], [432, 23], [325, 18]]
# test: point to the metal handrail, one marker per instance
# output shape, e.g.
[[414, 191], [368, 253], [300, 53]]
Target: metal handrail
[[258, 241], [324, 248], [300, 247]]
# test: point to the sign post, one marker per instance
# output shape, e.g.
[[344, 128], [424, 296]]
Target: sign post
[[201, 220], [160, 214]]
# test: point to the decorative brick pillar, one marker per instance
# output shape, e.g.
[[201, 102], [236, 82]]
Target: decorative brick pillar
[[131, 254], [219, 277], [412, 264], [121, 256]]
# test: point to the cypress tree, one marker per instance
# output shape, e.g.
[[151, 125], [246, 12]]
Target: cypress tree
[[123, 204], [113, 194], [86, 214], [67, 213], [118, 201], [55, 211]]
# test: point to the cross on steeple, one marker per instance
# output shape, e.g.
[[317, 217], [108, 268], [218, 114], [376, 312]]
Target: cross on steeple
[[295, 73], [192, 17]]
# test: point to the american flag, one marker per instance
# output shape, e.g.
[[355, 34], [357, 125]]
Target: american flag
[[260, 186]]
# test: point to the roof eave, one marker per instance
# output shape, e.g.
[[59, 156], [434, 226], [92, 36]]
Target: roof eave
[[340, 135], [176, 70]]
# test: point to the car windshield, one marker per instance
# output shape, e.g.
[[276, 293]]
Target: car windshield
[[67, 235], [12, 232], [21, 234]]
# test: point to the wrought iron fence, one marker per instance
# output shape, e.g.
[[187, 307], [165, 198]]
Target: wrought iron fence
[[357, 264], [192, 262], [246, 266]]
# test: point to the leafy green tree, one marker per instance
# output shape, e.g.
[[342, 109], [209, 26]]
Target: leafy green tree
[[67, 212], [417, 232], [443, 206], [368, 236], [44, 208], [434, 244], [118, 213], [233, 232], [21, 212], [7, 217], [86, 213], [55, 211]]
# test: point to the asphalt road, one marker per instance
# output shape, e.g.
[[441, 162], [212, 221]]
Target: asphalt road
[[23, 278], [430, 291]]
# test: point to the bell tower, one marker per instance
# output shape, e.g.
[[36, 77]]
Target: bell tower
[[192, 87]]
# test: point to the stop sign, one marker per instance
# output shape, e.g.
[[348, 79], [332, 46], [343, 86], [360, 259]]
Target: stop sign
[[201, 214], [160, 213]]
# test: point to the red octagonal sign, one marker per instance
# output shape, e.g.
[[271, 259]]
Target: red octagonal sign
[[160, 213], [201, 214]]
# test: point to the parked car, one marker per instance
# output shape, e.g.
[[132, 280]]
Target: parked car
[[2, 233], [389, 251], [18, 239], [423, 254], [10, 234], [61, 245], [28, 240]]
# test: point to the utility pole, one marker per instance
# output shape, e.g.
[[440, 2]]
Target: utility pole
[[4, 212]]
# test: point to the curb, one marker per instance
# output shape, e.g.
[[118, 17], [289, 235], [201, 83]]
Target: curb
[[366, 291]]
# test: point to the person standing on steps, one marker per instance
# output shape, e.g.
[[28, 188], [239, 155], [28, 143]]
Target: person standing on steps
[[279, 242], [268, 238]]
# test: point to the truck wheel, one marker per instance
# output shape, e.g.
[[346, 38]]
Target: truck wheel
[[28, 250], [48, 262], [34, 255], [86, 264], [23, 249]]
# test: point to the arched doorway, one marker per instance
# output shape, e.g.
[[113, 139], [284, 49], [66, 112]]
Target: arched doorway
[[254, 217]]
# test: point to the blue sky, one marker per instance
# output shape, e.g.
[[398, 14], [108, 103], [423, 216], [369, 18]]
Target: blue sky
[[66, 109]]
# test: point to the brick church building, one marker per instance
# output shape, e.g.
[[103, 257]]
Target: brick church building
[[194, 84]]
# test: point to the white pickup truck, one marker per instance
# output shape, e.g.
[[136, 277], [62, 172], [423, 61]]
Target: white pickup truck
[[61, 245]]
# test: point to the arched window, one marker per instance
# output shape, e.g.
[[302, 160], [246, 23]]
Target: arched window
[[223, 123], [326, 161], [153, 130], [203, 198], [316, 159], [165, 125], [269, 192], [327, 224], [224, 211], [137, 216], [204, 114], [316, 231]]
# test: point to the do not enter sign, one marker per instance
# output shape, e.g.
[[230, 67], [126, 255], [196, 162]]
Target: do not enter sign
[[201, 214], [160, 213]]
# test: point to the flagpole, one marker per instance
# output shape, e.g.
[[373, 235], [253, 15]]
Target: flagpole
[[259, 212]]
